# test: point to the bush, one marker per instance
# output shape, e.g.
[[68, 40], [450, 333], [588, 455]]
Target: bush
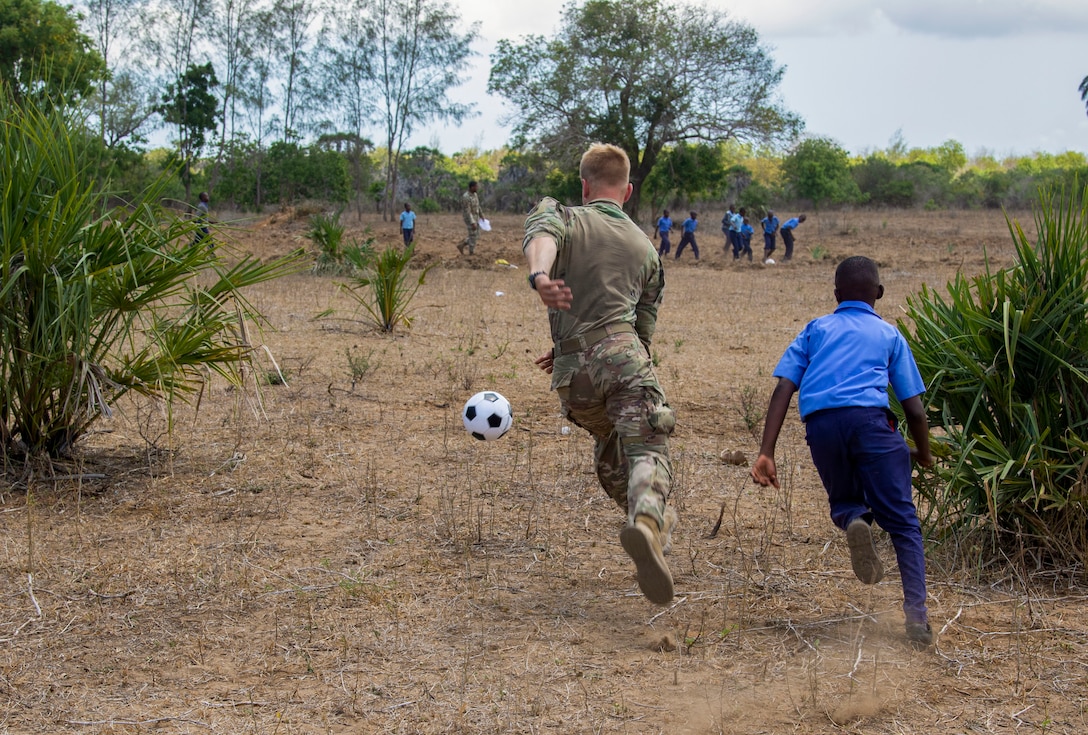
[[383, 289], [96, 301], [1005, 357]]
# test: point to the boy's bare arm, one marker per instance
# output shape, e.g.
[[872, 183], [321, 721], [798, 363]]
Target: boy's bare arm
[[764, 471], [918, 427]]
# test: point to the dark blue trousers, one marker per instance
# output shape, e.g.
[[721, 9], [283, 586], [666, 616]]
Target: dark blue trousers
[[688, 238], [865, 467]]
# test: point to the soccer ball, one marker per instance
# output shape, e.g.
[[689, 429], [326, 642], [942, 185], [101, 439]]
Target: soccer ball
[[769, 261], [487, 415]]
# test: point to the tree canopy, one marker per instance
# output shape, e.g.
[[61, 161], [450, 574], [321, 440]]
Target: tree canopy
[[642, 74], [42, 50]]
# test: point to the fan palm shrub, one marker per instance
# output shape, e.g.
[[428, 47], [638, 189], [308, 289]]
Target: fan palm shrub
[[383, 286], [1005, 358], [96, 301]]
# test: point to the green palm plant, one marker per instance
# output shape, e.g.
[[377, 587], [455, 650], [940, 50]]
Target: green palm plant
[[95, 301], [383, 287], [1005, 359]]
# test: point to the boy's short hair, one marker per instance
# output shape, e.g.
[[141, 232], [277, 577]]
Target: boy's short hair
[[605, 164], [856, 271]]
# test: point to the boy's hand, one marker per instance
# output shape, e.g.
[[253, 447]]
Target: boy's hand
[[923, 460], [764, 472]]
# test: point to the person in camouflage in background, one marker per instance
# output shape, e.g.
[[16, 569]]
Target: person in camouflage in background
[[602, 281], [470, 210]]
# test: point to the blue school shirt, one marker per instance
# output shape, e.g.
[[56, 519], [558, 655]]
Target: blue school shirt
[[690, 225], [664, 224], [790, 223], [746, 230], [407, 220], [770, 225], [847, 359]]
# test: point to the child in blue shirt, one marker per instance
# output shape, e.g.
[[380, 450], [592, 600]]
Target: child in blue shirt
[[688, 238], [770, 228], [787, 234], [408, 224], [746, 232], [664, 226], [842, 364]]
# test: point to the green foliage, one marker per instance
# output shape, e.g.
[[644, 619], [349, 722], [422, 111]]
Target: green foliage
[[1005, 356], [326, 232], [686, 173], [383, 288], [189, 104], [43, 52], [818, 169], [97, 301], [293, 173]]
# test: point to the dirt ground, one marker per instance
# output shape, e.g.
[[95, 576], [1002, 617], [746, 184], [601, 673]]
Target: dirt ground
[[334, 554]]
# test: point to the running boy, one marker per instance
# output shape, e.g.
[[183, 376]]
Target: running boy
[[664, 226], [842, 363], [688, 238]]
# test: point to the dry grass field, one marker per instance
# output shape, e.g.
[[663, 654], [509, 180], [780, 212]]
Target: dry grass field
[[334, 554]]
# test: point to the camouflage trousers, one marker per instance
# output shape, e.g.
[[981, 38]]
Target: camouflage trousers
[[470, 240], [610, 390]]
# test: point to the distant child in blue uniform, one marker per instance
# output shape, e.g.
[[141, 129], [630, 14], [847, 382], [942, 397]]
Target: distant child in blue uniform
[[688, 238], [787, 234], [746, 232], [842, 364], [664, 226], [770, 229], [408, 224]]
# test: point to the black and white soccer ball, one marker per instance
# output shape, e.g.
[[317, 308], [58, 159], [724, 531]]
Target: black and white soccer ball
[[487, 415]]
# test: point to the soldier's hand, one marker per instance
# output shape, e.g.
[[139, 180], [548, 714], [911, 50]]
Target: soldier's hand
[[545, 361], [555, 294]]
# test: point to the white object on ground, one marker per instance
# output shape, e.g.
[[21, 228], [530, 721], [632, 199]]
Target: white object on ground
[[769, 261]]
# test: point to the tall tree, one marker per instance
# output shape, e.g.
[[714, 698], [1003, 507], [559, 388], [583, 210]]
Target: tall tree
[[642, 74], [294, 22], [233, 35], [1084, 91], [110, 25], [191, 106], [42, 50], [421, 56]]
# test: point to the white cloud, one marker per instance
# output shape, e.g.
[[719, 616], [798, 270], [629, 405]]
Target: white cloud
[[949, 18]]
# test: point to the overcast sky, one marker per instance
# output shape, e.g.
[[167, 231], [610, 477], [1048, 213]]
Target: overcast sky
[[999, 76]]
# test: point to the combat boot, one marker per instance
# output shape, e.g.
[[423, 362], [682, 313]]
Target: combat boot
[[642, 542]]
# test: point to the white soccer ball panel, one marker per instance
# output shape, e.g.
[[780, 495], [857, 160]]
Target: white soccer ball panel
[[487, 415]]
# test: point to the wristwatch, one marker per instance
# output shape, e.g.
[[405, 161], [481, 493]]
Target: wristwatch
[[532, 278]]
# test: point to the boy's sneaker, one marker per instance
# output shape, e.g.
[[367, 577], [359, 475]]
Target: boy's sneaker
[[920, 634], [642, 542], [863, 556]]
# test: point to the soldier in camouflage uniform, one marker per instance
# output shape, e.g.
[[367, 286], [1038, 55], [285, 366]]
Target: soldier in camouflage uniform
[[470, 210], [602, 281]]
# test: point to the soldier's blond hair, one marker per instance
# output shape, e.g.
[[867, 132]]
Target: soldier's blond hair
[[605, 165]]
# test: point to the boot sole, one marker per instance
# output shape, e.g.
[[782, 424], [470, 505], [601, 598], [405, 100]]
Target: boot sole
[[863, 557], [654, 578]]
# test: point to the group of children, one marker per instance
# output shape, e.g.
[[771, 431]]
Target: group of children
[[738, 233]]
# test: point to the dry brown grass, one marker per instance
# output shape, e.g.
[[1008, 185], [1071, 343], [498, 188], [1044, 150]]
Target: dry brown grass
[[340, 558]]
